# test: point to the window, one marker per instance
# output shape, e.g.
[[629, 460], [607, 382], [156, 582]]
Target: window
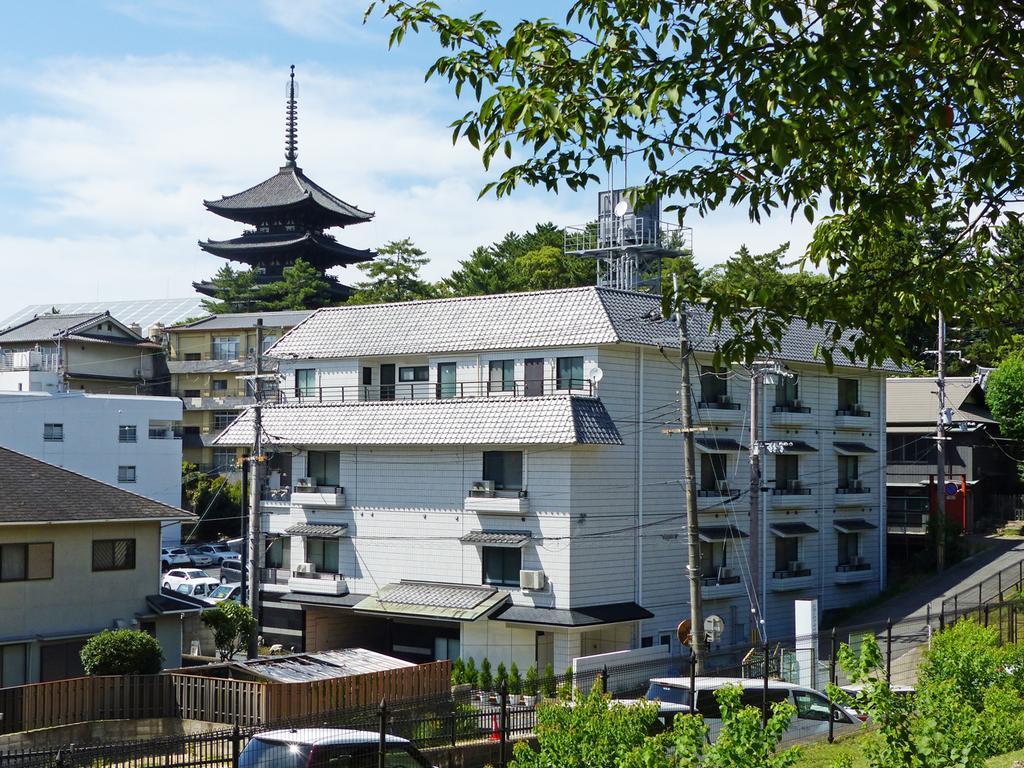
[[13, 664], [193, 356], [849, 548], [712, 558], [225, 459], [26, 562], [367, 376], [305, 382], [53, 432], [787, 390], [713, 384], [225, 348], [113, 555], [324, 467], [190, 430], [446, 379], [220, 385], [712, 471], [910, 449], [787, 551], [222, 418], [192, 393], [410, 373], [811, 706], [787, 471], [126, 474], [569, 373], [647, 641], [849, 394], [848, 471], [126, 433], [268, 342], [502, 375], [323, 553], [505, 468], [277, 547], [502, 565]]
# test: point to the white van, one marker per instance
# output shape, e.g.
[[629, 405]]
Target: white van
[[812, 707]]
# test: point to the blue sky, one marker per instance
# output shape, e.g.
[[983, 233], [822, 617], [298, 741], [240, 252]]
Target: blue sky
[[118, 117]]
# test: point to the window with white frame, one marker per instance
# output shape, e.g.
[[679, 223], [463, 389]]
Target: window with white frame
[[126, 474], [322, 553], [501, 375], [505, 469], [127, 433], [569, 372], [225, 348], [53, 433]]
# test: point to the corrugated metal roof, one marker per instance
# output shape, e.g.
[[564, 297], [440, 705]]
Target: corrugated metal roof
[[916, 400], [145, 312], [324, 530], [552, 419], [560, 318], [323, 665]]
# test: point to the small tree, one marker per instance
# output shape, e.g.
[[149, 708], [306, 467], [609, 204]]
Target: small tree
[[458, 671], [470, 671], [547, 684], [565, 690], [232, 624], [515, 680], [532, 682], [485, 679], [501, 677], [394, 275], [122, 652]]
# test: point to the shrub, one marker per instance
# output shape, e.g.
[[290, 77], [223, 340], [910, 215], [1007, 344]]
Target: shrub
[[458, 671], [122, 652], [469, 672], [515, 680], [484, 679], [565, 689], [232, 624], [547, 684], [532, 682], [501, 677], [968, 656]]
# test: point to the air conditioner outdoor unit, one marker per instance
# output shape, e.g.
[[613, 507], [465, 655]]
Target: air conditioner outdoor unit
[[723, 486], [724, 573], [857, 485], [305, 568], [796, 485], [854, 559], [798, 404], [482, 488], [531, 579], [304, 482], [795, 565], [724, 399]]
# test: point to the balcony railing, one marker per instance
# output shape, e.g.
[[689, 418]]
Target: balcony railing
[[276, 494], [853, 489], [165, 433], [714, 493], [29, 360], [203, 392], [791, 573], [851, 567], [719, 405], [432, 390], [852, 412], [716, 580], [790, 488], [793, 407]]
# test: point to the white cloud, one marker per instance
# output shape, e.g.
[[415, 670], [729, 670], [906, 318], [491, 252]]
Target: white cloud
[[318, 19]]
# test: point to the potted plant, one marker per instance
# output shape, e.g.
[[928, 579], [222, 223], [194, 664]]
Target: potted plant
[[531, 686], [515, 683], [501, 679], [485, 681], [547, 684]]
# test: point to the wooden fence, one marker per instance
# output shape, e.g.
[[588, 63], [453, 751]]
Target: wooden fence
[[191, 697]]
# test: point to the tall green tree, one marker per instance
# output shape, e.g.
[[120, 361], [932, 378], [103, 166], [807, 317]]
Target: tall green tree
[[888, 117], [300, 287], [394, 275], [234, 291], [1004, 395]]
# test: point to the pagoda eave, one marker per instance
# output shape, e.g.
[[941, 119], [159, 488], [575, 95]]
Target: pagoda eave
[[318, 250], [306, 210], [338, 291]]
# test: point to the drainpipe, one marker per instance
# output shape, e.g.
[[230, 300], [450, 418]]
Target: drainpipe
[[640, 488]]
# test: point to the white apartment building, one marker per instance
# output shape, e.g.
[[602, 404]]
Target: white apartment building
[[129, 441], [495, 476]]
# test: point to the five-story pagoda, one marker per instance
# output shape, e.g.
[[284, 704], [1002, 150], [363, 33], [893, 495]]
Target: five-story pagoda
[[289, 214]]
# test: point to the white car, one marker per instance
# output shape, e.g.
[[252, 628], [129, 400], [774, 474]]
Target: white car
[[224, 592], [217, 552], [172, 556], [200, 588], [323, 747], [199, 559], [812, 707], [177, 576]]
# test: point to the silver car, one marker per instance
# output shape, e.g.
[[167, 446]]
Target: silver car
[[328, 748]]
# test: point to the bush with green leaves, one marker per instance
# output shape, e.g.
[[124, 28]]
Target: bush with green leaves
[[458, 671], [501, 677], [968, 656], [515, 680], [122, 652], [548, 686], [531, 685], [485, 678], [232, 625], [470, 671]]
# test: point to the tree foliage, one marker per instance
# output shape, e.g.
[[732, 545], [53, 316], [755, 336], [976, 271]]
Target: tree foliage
[[394, 275], [122, 652], [232, 625], [213, 497], [893, 117], [1004, 395], [301, 287]]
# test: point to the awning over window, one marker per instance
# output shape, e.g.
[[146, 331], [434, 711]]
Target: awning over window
[[718, 445], [791, 530], [853, 525], [432, 600], [322, 530], [497, 538], [587, 616], [716, 533], [853, 449], [797, 446]]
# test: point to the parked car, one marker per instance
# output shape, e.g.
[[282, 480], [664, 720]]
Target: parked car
[[812, 707], [328, 747], [199, 559], [224, 592], [177, 576], [217, 552], [230, 571], [172, 556], [197, 587]]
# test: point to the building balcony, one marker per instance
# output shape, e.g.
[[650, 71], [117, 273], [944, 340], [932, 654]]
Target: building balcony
[[853, 418], [313, 583], [490, 502], [854, 572], [795, 577], [433, 390], [214, 399], [318, 496], [853, 496], [793, 414], [790, 494], [720, 411], [724, 586]]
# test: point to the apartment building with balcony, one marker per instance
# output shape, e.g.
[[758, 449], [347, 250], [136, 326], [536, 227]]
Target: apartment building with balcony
[[496, 476], [207, 360]]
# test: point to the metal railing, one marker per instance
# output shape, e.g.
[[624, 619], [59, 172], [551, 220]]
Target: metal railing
[[29, 360], [1007, 583], [433, 390], [852, 412], [719, 405], [790, 488], [790, 408]]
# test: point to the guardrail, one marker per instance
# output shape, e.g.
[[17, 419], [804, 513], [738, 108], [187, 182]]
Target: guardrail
[[433, 390]]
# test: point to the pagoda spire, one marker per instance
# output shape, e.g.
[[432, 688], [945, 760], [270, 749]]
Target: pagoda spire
[[291, 133]]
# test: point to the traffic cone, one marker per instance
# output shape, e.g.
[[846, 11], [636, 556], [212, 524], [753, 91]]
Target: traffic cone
[[495, 735]]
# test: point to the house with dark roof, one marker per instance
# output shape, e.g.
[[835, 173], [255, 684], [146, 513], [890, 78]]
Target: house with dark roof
[[498, 476], [77, 556], [89, 352], [981, 473]]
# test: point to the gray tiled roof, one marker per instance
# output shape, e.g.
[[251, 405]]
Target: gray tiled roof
[[37, 492], [47, 327], [244, 320], [497, 538], [552, 419], [326, 530], [916, 400], [561, 318]]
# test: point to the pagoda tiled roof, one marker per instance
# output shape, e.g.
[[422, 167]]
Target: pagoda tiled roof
[[319, 249], [289, 188]]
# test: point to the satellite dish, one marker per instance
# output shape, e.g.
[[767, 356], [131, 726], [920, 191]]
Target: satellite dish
[[621, 208], [596, 375], [683, 632], [714, 627]]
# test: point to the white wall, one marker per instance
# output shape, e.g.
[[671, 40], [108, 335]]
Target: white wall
[[91, 446]]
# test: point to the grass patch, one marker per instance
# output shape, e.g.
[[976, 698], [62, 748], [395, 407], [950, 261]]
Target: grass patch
[[825, 755], [1005, 761]]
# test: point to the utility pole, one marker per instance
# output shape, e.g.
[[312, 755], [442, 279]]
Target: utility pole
[[755, 497], [690, 488], [940, 451], [254, 542]]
